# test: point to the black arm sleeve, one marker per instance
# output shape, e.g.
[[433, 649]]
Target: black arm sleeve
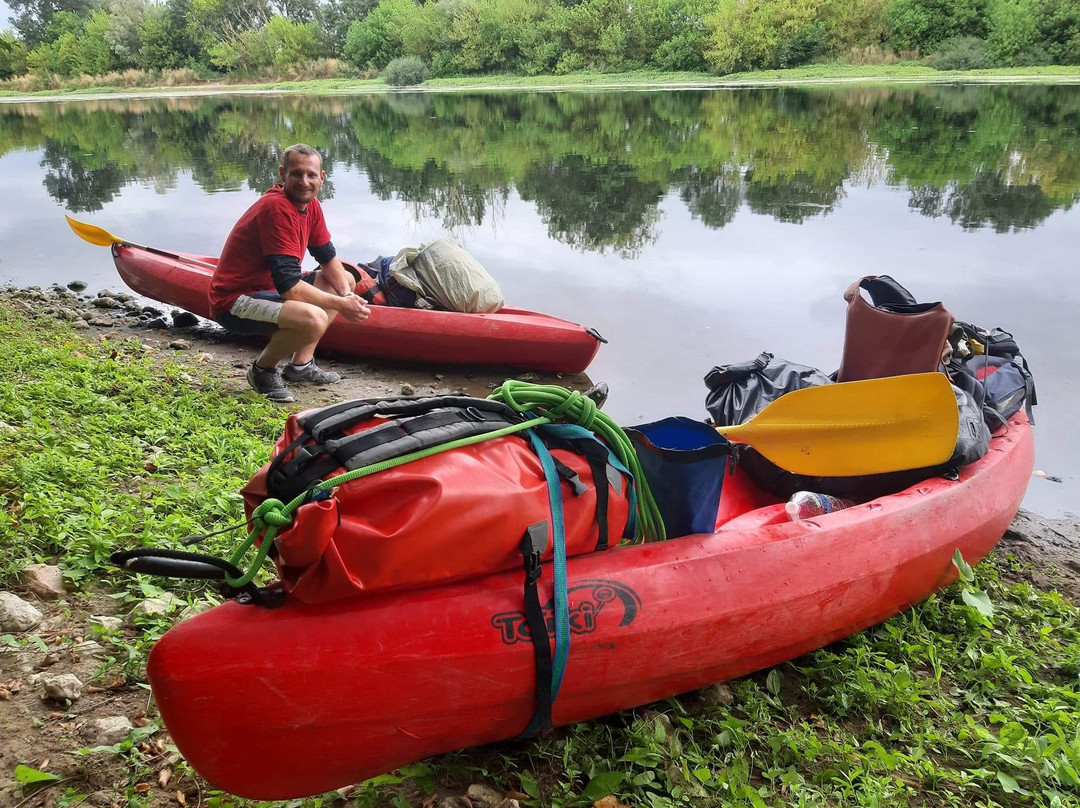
[[285, 270], [324, 253]]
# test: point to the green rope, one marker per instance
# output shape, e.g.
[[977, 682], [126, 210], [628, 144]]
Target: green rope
[[560, 404], [271, 515]]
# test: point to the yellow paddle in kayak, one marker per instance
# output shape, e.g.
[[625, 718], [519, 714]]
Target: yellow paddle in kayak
[[867, 427], [103, 238]]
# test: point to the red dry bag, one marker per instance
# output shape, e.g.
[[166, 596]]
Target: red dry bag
[[456, 514]]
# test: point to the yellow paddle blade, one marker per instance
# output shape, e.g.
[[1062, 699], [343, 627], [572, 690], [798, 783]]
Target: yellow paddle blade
[[92, 233], [867, 427]]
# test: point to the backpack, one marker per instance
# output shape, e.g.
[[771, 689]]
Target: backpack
[[988, 365], [455, 514]]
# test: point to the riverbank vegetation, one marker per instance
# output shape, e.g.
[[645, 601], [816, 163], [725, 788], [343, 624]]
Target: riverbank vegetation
[[968, 699], [136, 43]]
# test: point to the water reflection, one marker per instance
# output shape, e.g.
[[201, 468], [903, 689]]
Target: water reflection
[[595, 166]]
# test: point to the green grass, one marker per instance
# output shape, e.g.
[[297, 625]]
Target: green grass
[[970, 699], [810, 74]]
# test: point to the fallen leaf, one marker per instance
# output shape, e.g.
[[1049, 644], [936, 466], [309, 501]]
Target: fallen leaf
[[610, 801], [95, 689], [163, 778], [142, 788], [57, 715], [5, 694], [141, 721], [180, 798], [44, 764], [144, 748], [517, 795], [150, 466]]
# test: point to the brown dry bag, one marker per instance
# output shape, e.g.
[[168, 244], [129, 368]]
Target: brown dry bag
[[893, 335]]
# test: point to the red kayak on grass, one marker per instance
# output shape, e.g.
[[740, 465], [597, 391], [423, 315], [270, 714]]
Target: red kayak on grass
[[288, 702], [513, 337]]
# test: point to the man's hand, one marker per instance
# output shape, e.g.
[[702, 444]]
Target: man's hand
[[353, 308]]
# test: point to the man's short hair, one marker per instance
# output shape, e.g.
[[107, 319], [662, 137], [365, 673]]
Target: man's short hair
[[299, 148]]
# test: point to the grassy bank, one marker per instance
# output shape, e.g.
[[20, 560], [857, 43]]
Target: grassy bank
[[972, 698], [811, 74]]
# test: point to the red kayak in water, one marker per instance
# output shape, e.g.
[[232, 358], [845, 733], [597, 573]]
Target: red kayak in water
[[511, 336], [288, 702]]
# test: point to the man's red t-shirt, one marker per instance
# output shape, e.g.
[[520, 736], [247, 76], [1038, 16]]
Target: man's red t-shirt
[[272, 226]]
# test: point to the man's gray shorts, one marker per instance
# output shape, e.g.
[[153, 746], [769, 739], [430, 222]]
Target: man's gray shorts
[[258, 312]]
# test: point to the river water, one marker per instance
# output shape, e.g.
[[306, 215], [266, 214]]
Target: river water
[[690, 228]]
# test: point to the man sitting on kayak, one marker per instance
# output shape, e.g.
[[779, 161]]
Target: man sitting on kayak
[[259, 288]]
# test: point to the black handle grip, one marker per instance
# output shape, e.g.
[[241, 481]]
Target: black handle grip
[[174, 568]]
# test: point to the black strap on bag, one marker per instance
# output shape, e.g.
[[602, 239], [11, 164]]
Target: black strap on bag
[[605, 477], [532, 549], [410, 425]]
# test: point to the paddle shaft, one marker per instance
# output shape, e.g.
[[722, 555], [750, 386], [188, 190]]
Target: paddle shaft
[[156, 251]]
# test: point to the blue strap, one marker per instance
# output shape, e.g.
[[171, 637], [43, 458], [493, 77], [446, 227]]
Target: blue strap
[[574, 432], [558, 531]]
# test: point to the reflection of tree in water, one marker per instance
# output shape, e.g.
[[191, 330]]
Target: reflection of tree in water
[[595, 165], [986, 201], [433, 191], [713, 197], [792, 199], [79, 188], [593, 207]]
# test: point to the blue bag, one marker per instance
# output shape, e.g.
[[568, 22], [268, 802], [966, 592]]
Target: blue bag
[[684, 462]]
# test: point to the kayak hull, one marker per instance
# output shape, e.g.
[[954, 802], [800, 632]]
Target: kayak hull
[[513, 337], [282, 703]]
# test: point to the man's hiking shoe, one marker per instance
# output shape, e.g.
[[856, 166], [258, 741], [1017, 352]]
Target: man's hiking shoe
[[269, 384], [310, 373]]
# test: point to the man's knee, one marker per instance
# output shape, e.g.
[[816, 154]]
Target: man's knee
[[306, 318]]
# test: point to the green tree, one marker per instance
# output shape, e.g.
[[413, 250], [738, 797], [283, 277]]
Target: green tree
[[12, 55], [161, 43], [854, 24], [31, 18], [922, 25], [379, 37], [213, 22], [749, 34], [125, 20], [97, 56], [1058, 22], [289, 43], [681, 32], [1012, 31], [335, 17], [490, 35]]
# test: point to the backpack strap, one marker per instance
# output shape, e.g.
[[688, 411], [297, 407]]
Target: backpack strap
[[607, 472], [888, 294], [324, 446]]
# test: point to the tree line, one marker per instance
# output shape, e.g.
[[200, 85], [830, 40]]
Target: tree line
[[599, 168], [68, 38]]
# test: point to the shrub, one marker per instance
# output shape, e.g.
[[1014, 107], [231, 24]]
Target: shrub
[[405, 71], [961, 53]]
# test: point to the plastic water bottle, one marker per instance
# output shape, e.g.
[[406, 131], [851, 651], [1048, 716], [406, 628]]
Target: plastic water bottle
[[808, 504]]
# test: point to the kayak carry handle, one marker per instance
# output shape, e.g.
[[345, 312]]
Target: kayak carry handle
[[199, 566]]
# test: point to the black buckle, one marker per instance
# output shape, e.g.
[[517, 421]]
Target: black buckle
[[532, 549]]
